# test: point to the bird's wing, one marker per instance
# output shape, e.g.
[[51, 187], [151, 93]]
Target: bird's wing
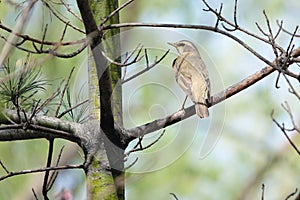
[[198, 88], [182, 75], [185, 82], [201, 68]]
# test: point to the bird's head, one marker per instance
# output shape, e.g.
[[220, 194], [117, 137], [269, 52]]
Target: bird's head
[[184, 46]]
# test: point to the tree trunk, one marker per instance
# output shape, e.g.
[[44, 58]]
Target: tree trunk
[[105, 172]]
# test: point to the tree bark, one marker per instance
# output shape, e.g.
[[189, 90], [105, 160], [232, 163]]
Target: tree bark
[[105, 164]]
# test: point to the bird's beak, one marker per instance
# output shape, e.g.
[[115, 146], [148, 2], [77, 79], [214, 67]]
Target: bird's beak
[[172, 44]]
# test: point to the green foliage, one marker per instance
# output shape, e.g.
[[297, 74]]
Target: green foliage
[[19, 86], [78, 114]]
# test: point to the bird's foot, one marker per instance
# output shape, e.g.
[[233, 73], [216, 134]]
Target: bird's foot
[[181, 110]]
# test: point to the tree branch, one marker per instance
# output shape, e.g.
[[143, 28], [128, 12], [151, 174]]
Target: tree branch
[[12, 39], [188, 112], [190, 26], [219, 97], [40, 127], [11, 174]]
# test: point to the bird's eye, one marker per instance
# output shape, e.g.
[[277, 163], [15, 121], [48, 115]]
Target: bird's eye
[[180, 44]]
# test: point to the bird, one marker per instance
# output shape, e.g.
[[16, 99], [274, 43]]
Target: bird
[[192, 76]]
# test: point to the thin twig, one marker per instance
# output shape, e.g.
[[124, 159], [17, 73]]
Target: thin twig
[[138, 48], [51, 51], [292, 90], [72, 108], [232, 24], [282, 128], [291, 40], [279, 29], [31, 171], [49, 160], [70, 10], [64, 91], [34, 40], [135, 60], [219, 13], [284, 30], [34, 194], [60, 18], [63, 33], [287, 108], [44, 36], [3, 166], [219, 97], [189, 26], [116, 11], [48, 100], [139, 147], [55, 173], [292, 194], [174, 195], [131, 164], [12, 38], [52, 180], [34, 110], [235, 26], [262, 191], [148, 67]]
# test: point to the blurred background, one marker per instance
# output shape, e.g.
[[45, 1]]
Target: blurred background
[[227, 156]]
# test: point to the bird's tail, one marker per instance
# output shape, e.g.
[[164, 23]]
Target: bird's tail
[[201, 110]]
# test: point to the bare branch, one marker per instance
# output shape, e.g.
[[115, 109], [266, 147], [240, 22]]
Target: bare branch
[[174, 195], [186, 113], [3, 166], [291, 89], [279, 29], [48, 100], [31, 171], [34, 194], [72, 108], [233, 24], [63, 92], [41, 127], [70, 10], [148, 67], [289, 49], [55, 173], [287, 108], [189, 26], [125, 64], [116, 11], [138, 48], [292, 194], [139, 146], [60, 18], [131, 164], [271, 37], [64, 55], [283, 129], [44, 36], [262, 191], [219, 13], [53, 51], [46, 177], [235, 13], [284, 30], [12, 39], [34, 40]]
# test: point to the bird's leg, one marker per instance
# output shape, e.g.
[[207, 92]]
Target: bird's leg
[[182, 107], [209, 99]]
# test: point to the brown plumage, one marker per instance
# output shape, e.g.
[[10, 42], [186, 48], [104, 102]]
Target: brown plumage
[[191, 75]]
